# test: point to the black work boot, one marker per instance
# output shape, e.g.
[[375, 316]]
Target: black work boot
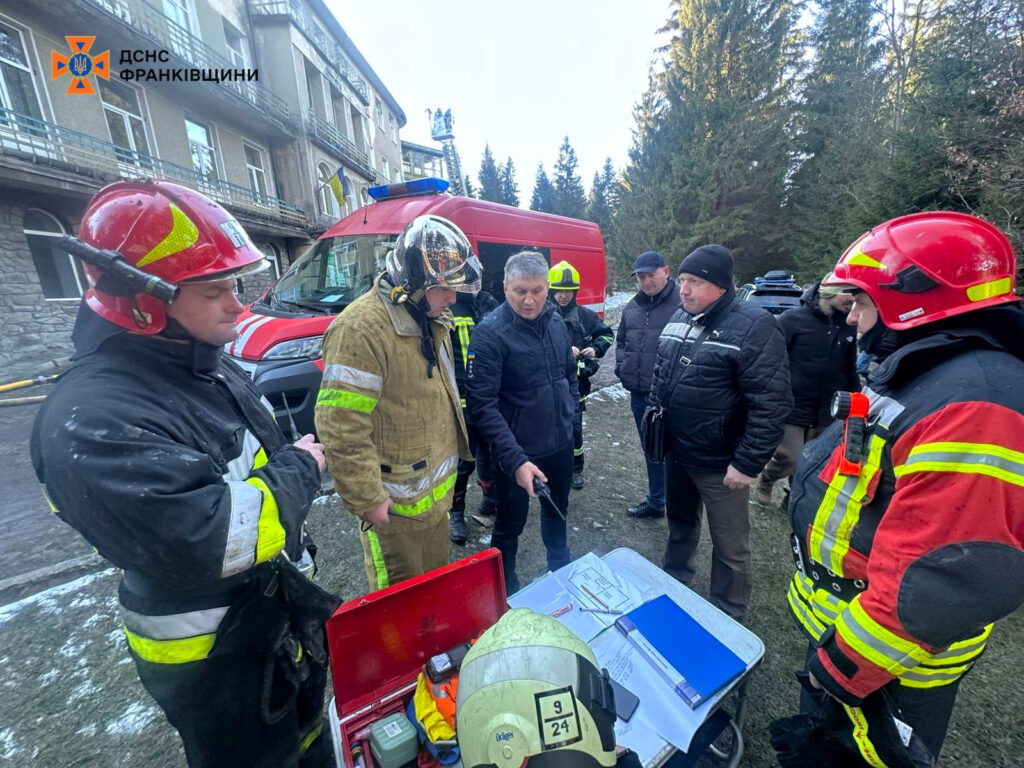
[[643, 509], [457, 520], [577, 480]]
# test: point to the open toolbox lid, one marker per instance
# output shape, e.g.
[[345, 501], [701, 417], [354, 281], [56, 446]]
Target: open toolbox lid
[[379, 640]]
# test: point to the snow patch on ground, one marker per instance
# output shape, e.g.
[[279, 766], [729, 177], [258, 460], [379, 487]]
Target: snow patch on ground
[[618, 299], [134, 720], [320, 501], [8, 746], [49, 601], [611, 393]]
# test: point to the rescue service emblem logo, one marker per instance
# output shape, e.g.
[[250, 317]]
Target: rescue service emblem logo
[[80, 65]]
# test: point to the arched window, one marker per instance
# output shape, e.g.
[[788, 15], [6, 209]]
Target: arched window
[[326, 205], [270, 252], [60, 275]]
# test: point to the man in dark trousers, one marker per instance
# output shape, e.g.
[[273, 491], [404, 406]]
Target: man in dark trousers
[[467, 312], [723, 377], [636, 349], [164, 456], [522, 394], [590, 340], [822, 360]]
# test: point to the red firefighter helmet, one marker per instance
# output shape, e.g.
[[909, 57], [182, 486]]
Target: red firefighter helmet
[[927, 266], [169, 231]]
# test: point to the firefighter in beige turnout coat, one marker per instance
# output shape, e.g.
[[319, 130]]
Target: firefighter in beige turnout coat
[[388, 411]]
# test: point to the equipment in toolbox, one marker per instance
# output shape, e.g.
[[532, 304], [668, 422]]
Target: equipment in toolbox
[[379, 643]]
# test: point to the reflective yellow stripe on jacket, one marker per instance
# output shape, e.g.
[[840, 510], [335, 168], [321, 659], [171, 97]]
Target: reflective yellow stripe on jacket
[[255, 533], [816, 610], [409, 498], [174, 639], [341, 388], [969, 458]]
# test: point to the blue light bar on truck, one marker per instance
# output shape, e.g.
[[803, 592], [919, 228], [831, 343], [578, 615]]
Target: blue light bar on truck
[[427, 186]]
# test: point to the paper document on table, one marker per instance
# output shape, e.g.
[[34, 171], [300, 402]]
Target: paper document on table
[[549, 595], [635, 735], [660, 709], [599, 589]]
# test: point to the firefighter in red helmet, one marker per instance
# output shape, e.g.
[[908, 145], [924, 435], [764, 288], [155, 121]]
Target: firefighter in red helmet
[[908, 512], [164, 456]]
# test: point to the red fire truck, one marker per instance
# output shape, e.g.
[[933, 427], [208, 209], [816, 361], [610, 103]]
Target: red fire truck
[[280, 335]]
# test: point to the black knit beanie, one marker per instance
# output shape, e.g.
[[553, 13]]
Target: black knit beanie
[[711, 262]]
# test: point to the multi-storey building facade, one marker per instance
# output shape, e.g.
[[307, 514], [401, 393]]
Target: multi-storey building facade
[[420, 162], [263, 146]]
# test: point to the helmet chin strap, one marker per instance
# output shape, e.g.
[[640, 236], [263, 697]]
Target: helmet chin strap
[[205, 356]]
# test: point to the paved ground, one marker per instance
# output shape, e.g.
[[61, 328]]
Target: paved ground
[[70, 696]]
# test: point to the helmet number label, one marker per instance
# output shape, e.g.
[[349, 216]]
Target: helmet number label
[[557, 718]]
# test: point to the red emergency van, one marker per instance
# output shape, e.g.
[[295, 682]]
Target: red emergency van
[[280, 335]]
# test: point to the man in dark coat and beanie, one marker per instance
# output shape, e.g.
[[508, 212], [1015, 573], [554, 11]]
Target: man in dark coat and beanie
[[822, 361], [723, 377], [636, 348]]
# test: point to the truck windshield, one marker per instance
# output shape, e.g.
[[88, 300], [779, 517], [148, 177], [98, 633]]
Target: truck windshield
[[332, 273]]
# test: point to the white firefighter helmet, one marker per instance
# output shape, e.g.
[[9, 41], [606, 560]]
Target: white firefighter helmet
[[531, 693], [432, 252]]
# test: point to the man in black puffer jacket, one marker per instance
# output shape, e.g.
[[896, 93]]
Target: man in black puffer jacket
[[636, 348], [723, 377], [522, 393], [822, 361]]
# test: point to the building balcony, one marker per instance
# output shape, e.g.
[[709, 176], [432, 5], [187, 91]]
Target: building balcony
[[327, 46], [140, 19], [57, 149], [328, 137]]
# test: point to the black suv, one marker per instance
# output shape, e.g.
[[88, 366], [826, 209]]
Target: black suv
[[777, 291]]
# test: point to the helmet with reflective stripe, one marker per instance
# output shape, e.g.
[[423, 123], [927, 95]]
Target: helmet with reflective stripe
[[432, 252], [928, 266], [165, 229], [564, 277], [530, 693]]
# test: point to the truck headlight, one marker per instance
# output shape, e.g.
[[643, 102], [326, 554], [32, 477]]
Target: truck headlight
[[310, 346]]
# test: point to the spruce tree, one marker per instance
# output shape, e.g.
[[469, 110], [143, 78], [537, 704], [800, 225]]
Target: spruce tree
[[509, 188], [570, 198], [489, 177], [543, 198]]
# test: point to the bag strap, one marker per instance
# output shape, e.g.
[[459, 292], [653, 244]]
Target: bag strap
[[653, 397]]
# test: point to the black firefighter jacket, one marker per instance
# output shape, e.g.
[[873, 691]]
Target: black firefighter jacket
[[728, 404], [586, 329], [522, 388], [636, 345], [180, 478], [822, 359]]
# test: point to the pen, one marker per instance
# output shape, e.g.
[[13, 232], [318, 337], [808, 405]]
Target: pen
[[600, 610]]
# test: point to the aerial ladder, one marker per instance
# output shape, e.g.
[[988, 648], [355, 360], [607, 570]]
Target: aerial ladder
[[441, 130]]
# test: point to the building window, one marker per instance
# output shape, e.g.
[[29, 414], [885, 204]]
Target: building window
[[181, 26], [393, 127], [257, 176], [235, 43], [60, 275], [326, 205], [385, 169], [124, 119], [17, 92], [270, 253], [379, 108], [200, 145]]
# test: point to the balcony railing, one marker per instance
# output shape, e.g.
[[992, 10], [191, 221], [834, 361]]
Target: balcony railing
[[325, 43], [332, 140], [151, 22], [47, 144]]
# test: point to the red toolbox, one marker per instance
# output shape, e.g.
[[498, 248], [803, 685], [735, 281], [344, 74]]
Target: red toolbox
[[380, 642]]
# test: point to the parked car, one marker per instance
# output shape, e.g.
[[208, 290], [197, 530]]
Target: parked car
[[777, 291]]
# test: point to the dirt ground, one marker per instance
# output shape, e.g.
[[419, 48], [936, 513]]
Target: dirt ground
[[70, 696]]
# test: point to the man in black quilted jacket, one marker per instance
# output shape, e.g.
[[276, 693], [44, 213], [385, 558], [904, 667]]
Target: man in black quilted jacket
[[723, 377]]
